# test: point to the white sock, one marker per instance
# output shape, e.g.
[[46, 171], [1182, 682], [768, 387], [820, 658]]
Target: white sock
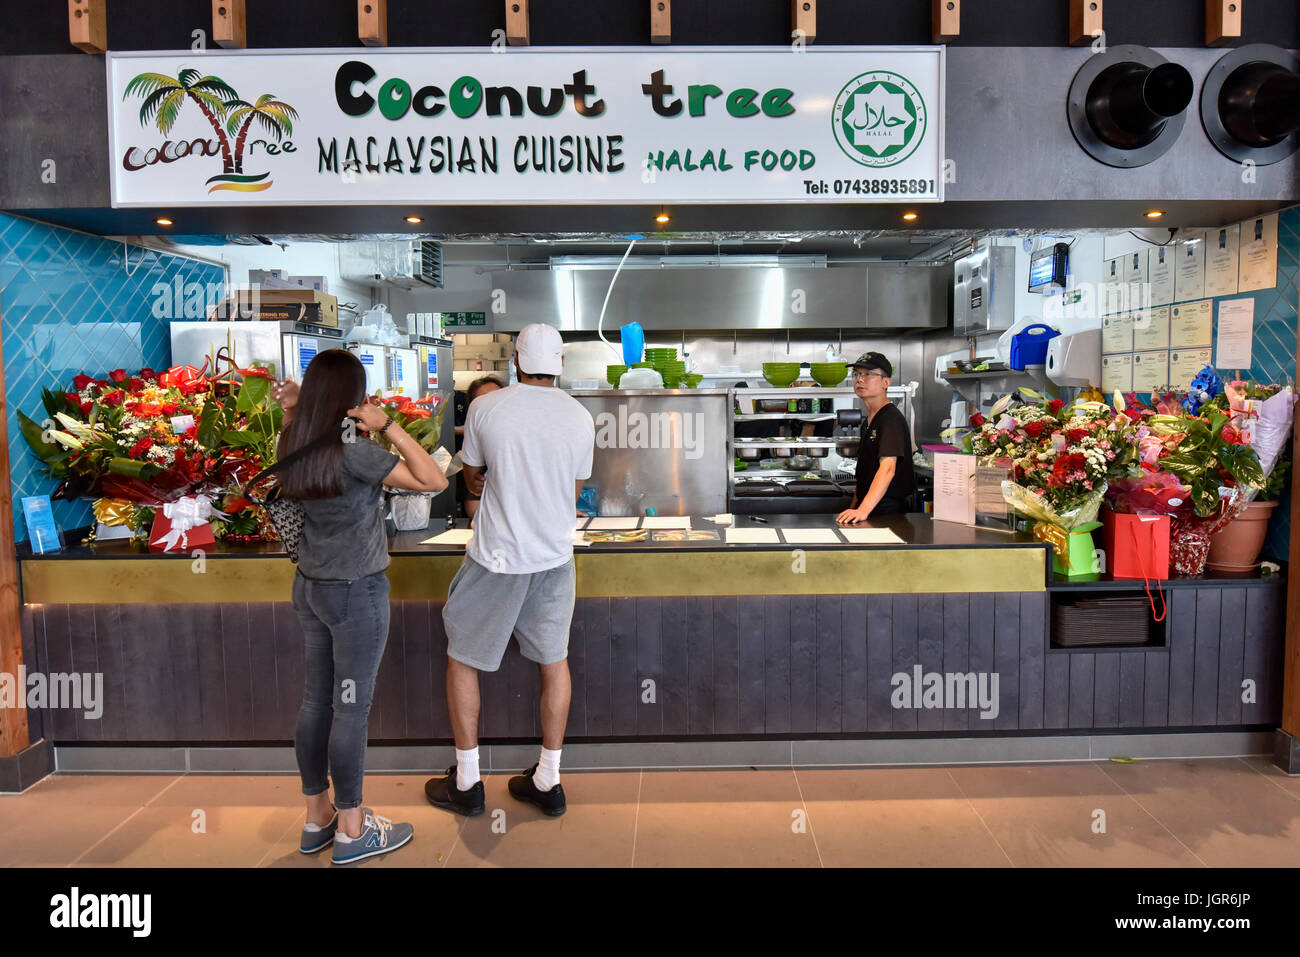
[[466, 769], [547, 774]]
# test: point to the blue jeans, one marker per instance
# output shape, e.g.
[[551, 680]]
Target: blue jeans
[[345, 625]]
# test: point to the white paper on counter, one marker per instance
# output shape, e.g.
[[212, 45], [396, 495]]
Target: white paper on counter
[[582, 520], [871, 536], [722, 518], [579, 541], [1236, 329], [452, 536], [954, 488], [605, 524], [810, 536], [666, 521], [752, 536]]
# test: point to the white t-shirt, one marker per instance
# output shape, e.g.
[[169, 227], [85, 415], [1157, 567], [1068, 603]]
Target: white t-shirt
[[536, 442]]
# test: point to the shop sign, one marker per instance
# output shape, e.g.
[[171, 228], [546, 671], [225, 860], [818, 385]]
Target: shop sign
[[565, 125]]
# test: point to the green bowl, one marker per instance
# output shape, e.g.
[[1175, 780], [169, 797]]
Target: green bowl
[[613, 374], [828, 374], [643, 365], [671, 381], [692, 380], [780, 374]]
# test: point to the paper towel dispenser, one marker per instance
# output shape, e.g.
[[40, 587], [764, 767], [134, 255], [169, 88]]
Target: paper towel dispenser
[[1075, 360]]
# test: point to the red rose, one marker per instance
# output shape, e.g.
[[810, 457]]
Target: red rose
[[86, 407], [148, 374], [118, 376], [81, 381], [1055, 406], [238, 505], [113, 399], [1076, 435], [140, 447], [1035, 429], [169, 409], [977, 420], [72, 398], [135, 383]]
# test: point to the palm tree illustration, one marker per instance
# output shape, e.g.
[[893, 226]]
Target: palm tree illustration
[[274, 116], [164, 96]]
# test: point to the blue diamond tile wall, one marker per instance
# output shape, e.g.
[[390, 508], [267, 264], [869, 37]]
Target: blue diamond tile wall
[[69, 304]]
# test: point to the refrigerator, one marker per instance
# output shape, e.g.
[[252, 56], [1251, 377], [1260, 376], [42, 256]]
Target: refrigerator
[[288, 345]]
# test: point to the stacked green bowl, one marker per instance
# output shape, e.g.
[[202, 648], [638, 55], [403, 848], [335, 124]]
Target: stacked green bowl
[[692, 380], [659, 353], [672, 373], [828, 374], [780, 374], [613, 374], [643, 365]]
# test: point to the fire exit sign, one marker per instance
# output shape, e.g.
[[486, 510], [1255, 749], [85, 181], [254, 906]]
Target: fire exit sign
[[463, 320]]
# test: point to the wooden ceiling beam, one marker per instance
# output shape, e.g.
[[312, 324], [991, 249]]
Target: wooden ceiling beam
[[945, 20], [517, 23], [229, 24], [803, 19], [88, 25], [372, 22], [1085, 21], [661, 21], [1222, 21]]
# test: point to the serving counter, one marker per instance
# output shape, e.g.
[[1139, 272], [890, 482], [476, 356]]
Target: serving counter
[[670, 641]]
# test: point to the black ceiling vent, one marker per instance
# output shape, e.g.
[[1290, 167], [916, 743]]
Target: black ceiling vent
[[1250, 104], [1127, 105]]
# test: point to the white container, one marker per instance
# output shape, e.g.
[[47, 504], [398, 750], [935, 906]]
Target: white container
[[641, 379]]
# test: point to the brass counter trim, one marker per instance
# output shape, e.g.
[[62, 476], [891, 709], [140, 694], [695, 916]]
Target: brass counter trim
[[922, 570]]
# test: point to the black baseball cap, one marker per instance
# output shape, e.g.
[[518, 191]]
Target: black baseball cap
[[874, 360]]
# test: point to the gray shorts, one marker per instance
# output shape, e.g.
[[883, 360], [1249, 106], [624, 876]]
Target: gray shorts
[[484, 608]]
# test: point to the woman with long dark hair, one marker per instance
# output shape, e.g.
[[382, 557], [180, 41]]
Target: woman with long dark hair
[[341, 590]]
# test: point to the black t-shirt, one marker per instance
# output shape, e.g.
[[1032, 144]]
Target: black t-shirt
[[885, 437]]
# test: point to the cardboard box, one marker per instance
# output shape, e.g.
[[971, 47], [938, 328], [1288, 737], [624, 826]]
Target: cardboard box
[[317, 283], [329, 305]]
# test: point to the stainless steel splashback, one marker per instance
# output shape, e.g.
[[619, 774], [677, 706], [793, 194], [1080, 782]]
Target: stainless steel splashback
[[660, 448], [757, 297]]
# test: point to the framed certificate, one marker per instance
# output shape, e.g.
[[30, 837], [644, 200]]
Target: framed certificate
[[1150, 371], [1191, 324], [1117, 373], [1189, 270], [1151, 329]]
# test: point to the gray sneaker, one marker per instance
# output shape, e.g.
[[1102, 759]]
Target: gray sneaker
[[316, 838], [379, 835]]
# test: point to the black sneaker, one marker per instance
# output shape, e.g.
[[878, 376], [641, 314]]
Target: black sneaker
[[443, 793], [551, 802]]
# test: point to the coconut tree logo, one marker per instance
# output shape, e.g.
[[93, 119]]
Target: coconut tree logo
[[229, 116]]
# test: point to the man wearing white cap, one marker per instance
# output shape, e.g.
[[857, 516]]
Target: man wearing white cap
[[535, 443]]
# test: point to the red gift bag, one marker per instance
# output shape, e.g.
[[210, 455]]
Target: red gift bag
[[1137, 546], [165, 536]]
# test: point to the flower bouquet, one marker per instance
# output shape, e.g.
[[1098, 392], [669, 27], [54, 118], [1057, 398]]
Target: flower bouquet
[[1061, 457], [422, 420], [144, 442]]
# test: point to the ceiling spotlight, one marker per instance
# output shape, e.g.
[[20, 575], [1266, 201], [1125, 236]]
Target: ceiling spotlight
[[909, 216], [163, 221], [1155, 213], [663, 216], [414, 220]]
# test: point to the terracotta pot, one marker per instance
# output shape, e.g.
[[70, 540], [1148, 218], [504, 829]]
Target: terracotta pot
[[1237, 545]]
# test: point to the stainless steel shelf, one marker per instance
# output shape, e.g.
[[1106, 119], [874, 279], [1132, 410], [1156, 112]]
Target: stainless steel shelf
[[787, 444], [792, 393], [801, 416]]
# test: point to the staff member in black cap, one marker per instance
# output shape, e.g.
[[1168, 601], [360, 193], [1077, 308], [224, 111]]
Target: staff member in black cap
[[885, 478]]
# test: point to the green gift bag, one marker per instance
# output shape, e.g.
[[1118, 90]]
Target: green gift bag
[[1080, 564]]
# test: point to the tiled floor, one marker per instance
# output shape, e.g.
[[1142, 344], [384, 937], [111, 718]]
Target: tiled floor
[[1180, 813]]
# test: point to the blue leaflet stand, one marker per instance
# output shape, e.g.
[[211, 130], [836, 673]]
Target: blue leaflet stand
[[42, 533]]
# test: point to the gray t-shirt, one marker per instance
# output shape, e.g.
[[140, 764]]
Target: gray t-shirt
[[343, 537]]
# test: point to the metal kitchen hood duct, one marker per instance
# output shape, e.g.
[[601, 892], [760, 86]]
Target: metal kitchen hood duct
[[875, 297]]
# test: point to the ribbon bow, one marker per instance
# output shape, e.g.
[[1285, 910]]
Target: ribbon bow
[[185, 514], [1055, 536]]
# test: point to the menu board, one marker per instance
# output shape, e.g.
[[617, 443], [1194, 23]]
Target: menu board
[[1151, 329], [1183, 366], [1221, 261], [1117, 373], [1258, 254], [1150, 371], [954, 488], [1189, 270], [1160, 273], [1117, 333], [1191, 324]]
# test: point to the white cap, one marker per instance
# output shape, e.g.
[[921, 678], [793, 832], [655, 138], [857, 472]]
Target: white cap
[[541, 350]]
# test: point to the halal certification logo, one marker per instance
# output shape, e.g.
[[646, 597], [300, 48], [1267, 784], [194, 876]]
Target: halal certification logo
[[879, 118]]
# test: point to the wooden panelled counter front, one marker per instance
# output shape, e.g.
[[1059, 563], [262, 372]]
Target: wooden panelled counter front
[[680, 641]]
